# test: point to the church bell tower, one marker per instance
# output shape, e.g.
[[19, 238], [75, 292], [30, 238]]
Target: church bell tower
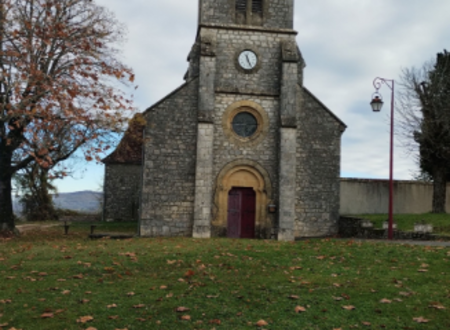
[[246, 58]]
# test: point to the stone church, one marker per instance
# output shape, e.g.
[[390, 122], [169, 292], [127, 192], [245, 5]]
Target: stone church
[[242, 149]]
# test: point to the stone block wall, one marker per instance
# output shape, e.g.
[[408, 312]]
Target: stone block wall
[[168, 190], [318, 169], [267, 46], [121, 192], [277, 14]]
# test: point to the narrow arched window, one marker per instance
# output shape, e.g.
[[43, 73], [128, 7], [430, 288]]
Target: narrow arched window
[[241, 11], [249, 12], [257, 7], [257, 12]]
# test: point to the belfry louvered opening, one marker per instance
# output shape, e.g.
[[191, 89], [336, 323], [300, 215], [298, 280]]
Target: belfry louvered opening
[[257, 6], [241, 6]]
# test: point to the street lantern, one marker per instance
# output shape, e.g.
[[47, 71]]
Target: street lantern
[[377, 103]]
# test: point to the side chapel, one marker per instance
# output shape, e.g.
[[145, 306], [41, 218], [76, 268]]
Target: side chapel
[[242, 149]]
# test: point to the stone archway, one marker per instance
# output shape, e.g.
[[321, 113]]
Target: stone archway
[[242, 174]]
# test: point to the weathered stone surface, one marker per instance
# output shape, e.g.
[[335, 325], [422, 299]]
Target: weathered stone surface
[[318, 168], [121, 192], [168, 188], [277, 14]]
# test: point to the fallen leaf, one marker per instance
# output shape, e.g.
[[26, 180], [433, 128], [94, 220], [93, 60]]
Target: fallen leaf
[[78, 277], [338, 298], [349, 307], [215, 321], [171, 262], [115, 317], [139, 306], [437, 306], [300, 309], [211, 297], [189, 273], [85, 319], [112, 306], [186, 318], [91, 328], [385, 301], [261, 323], [47, 316], [366, 324], [294, 297], [420, 320], [163, 287], [423, 270], [84, 301], [130, 294], [182, 309]]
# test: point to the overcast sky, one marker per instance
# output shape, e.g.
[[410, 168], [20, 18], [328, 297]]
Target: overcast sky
[[345, 43]]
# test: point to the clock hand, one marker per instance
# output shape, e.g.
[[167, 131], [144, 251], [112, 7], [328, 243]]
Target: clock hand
[[248, 60]]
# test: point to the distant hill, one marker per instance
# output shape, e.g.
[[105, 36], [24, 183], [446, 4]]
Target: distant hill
[[82, 201]]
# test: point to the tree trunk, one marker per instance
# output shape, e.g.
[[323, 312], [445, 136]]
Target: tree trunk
[[439, 188], [6, 207]]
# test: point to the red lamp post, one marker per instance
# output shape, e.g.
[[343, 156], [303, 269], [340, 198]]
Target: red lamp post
[[377, 104]]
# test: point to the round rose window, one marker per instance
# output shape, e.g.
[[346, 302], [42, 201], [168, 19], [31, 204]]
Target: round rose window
[[245, 124]]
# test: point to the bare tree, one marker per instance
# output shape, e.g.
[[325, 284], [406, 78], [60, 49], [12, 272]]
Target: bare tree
[[424, 108], [59, 91]]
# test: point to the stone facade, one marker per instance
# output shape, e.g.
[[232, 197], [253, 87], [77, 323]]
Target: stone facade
[[121, 192], [169, 168], [194, 156]]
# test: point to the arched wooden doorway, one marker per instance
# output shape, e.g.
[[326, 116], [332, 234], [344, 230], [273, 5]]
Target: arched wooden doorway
[[241, 213], [241, 200]]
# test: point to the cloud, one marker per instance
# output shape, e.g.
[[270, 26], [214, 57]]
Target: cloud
[[345, 43]]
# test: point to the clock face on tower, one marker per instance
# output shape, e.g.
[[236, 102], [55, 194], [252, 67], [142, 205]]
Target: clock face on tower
[[247, 60]]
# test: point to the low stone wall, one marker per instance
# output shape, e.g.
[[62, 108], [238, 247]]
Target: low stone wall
[[368, 196], [358, 228]]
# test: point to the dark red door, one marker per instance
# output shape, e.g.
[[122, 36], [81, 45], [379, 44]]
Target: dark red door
[[241, 213]]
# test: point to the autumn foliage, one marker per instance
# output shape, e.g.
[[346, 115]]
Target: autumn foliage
[[60, 81]]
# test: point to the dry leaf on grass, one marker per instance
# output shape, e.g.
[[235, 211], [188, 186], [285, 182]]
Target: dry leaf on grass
[[182, 309], [261, 323], [47, 316], [114, 317], [385, 301], [185, 318], [420, 320], [139, 306], [112, 306], [91, 328], [294, 297], [349, 307], [130, 294], [436, 306], [78, 277], [215, 321], [85, 319], [300, 309]]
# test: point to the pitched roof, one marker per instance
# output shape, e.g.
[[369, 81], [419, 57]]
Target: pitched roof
[[129, 150]]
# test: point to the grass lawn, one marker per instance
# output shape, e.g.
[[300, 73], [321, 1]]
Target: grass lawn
[[405, 222], [48, 281]]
